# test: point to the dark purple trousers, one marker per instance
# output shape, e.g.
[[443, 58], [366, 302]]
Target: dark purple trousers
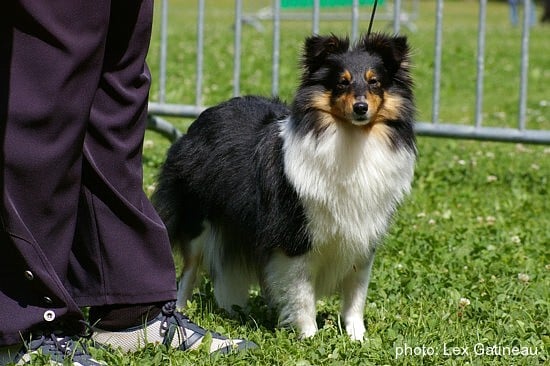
[[76, 227]]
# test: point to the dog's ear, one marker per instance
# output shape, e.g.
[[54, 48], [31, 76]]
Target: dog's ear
[[318, 48], [394, 50]]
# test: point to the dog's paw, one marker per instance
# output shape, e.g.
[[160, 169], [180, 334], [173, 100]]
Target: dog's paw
[[308, 331], [356, 330], [305, 326]]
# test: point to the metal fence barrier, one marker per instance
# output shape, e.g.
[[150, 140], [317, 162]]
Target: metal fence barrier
[[397, 13]]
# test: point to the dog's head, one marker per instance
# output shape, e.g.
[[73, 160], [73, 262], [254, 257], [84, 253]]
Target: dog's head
[[360, 83]]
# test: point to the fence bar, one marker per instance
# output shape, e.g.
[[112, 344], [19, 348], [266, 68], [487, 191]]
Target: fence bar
[[175, 110], [436, 98], [524, 64], [483, 133], [316, 16], [200, 53], [480, 62], [396, 16], [276, 47], [237, 47], [163, 127], [163, 50], [355, 20]]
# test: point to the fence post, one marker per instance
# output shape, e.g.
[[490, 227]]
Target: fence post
[[480, 62]]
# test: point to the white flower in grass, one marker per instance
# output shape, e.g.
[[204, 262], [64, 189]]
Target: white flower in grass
[[463, 302], [148, 144], [490, 220], [492, 178], [515, 239], [522, 148], [150, 189], [523, 277]]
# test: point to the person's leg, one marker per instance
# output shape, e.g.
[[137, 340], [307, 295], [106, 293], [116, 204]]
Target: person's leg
[[135, 303], [52, 53], [77, 229], [58, 57], [119, 234]]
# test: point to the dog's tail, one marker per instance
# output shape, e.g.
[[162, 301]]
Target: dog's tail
[[176, 206]]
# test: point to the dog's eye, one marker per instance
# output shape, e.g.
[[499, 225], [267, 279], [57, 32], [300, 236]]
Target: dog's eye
[[343, 83], [373, 81]]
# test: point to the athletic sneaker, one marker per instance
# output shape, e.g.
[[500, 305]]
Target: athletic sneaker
[[172, 329], [58, 348]]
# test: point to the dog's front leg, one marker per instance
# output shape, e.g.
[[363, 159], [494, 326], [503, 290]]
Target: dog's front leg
[[354, 290], [288, 285]]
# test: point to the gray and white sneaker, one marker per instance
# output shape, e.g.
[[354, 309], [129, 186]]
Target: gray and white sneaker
[[172, 329], [60, 349]]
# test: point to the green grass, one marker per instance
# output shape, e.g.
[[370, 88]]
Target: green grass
[[475, 228], [467, 261]]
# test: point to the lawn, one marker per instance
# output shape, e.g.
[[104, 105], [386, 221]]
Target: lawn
[[464, 275]]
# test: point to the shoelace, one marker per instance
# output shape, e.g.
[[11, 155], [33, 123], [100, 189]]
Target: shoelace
[[173, 321], [61, 345], [171, 316], [169, 312]]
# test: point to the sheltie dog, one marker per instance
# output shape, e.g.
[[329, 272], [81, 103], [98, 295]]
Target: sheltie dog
[[296, 198]]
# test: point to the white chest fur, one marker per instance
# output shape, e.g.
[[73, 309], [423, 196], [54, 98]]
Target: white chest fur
[[350, 182]]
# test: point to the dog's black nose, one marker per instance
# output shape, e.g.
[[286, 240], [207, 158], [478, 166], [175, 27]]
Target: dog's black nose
[[360, 108]]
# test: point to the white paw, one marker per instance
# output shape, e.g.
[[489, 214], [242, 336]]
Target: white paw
[[308, 331], [356, 330]]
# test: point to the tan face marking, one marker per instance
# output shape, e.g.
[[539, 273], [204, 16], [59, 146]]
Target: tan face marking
[[370, 74], [346, 75], [390, 109], [382, 106], [321, 102], [342, 107]]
